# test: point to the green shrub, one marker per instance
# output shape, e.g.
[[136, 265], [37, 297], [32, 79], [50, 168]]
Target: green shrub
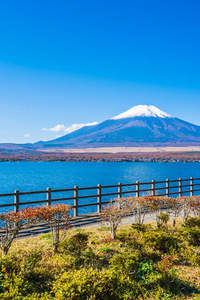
[[161, 241], [196, 259], [126, 262], [30, 260], [90, 258], [105, 249], [140, 227], [191, 234], [76, 244], [165, 265], [95, 284], [140, 264], [94, 241], [18, 288], [144, 269], [164, 218], [192, 222], [9, 265]]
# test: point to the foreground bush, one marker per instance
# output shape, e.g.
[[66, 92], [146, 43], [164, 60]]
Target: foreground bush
[[54, 215], [113, 213], [163, 241], [139, 207], [142, 262], [12, 223], [95, 284]]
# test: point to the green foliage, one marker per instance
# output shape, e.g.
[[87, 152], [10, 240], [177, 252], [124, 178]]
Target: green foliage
[[95, 284], [105, 249], [130, 264], [168, 279], [192, 222], [30, 260], [104, 228], [46, 236], [144, 269], [163, 241], [139, 227], [126, 262], [90, 258], [76, 244], [165, 265], [164, 218], [192, 234], [143, 262], [94, 241], [9, 264]]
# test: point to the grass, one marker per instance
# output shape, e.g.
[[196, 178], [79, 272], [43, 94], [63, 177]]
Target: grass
[[150, 264]]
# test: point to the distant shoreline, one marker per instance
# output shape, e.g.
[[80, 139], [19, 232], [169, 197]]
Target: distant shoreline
[[126, 150], [159, 154]]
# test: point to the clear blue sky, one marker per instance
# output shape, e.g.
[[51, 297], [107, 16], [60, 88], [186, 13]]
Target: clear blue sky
[[66, 62]]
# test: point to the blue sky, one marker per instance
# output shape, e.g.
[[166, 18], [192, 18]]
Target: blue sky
[[76, 62]]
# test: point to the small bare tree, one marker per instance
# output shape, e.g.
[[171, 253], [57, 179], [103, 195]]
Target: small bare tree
[[175, 208], [141, 205], [164, 218], [156, 204], [12, 223], [187, 207], [195, 205], [55, 215], [113, 213]]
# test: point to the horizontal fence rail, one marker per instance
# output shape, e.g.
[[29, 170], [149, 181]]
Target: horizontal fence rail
[[91, 199]]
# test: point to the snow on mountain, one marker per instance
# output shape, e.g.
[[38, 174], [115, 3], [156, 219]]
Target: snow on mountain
[[142, 111]]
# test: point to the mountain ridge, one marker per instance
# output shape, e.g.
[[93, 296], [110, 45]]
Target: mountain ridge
[[141, 125]]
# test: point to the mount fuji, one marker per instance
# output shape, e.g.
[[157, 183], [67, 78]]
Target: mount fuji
[[141, 125]]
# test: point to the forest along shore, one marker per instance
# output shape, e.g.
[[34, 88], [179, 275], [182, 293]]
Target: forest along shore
[[6, 156]]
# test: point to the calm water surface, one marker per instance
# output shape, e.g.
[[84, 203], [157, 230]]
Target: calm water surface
[[30, 176]]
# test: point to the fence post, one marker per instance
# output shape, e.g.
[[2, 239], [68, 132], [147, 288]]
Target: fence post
[[153, 188], [137, 189], [49, 196], [167, 187], [191, 186], [99, 198], [180, 187], [119, 190], [16, 201], [75, 201]]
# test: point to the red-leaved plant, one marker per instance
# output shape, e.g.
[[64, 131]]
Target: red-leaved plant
[[55, 215], [12, 223]]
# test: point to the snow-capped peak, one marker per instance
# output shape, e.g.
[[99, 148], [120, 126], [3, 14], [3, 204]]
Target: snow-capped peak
[[142, 111]]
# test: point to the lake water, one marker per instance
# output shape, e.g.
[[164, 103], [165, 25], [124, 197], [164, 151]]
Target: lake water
[[31, 176]]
